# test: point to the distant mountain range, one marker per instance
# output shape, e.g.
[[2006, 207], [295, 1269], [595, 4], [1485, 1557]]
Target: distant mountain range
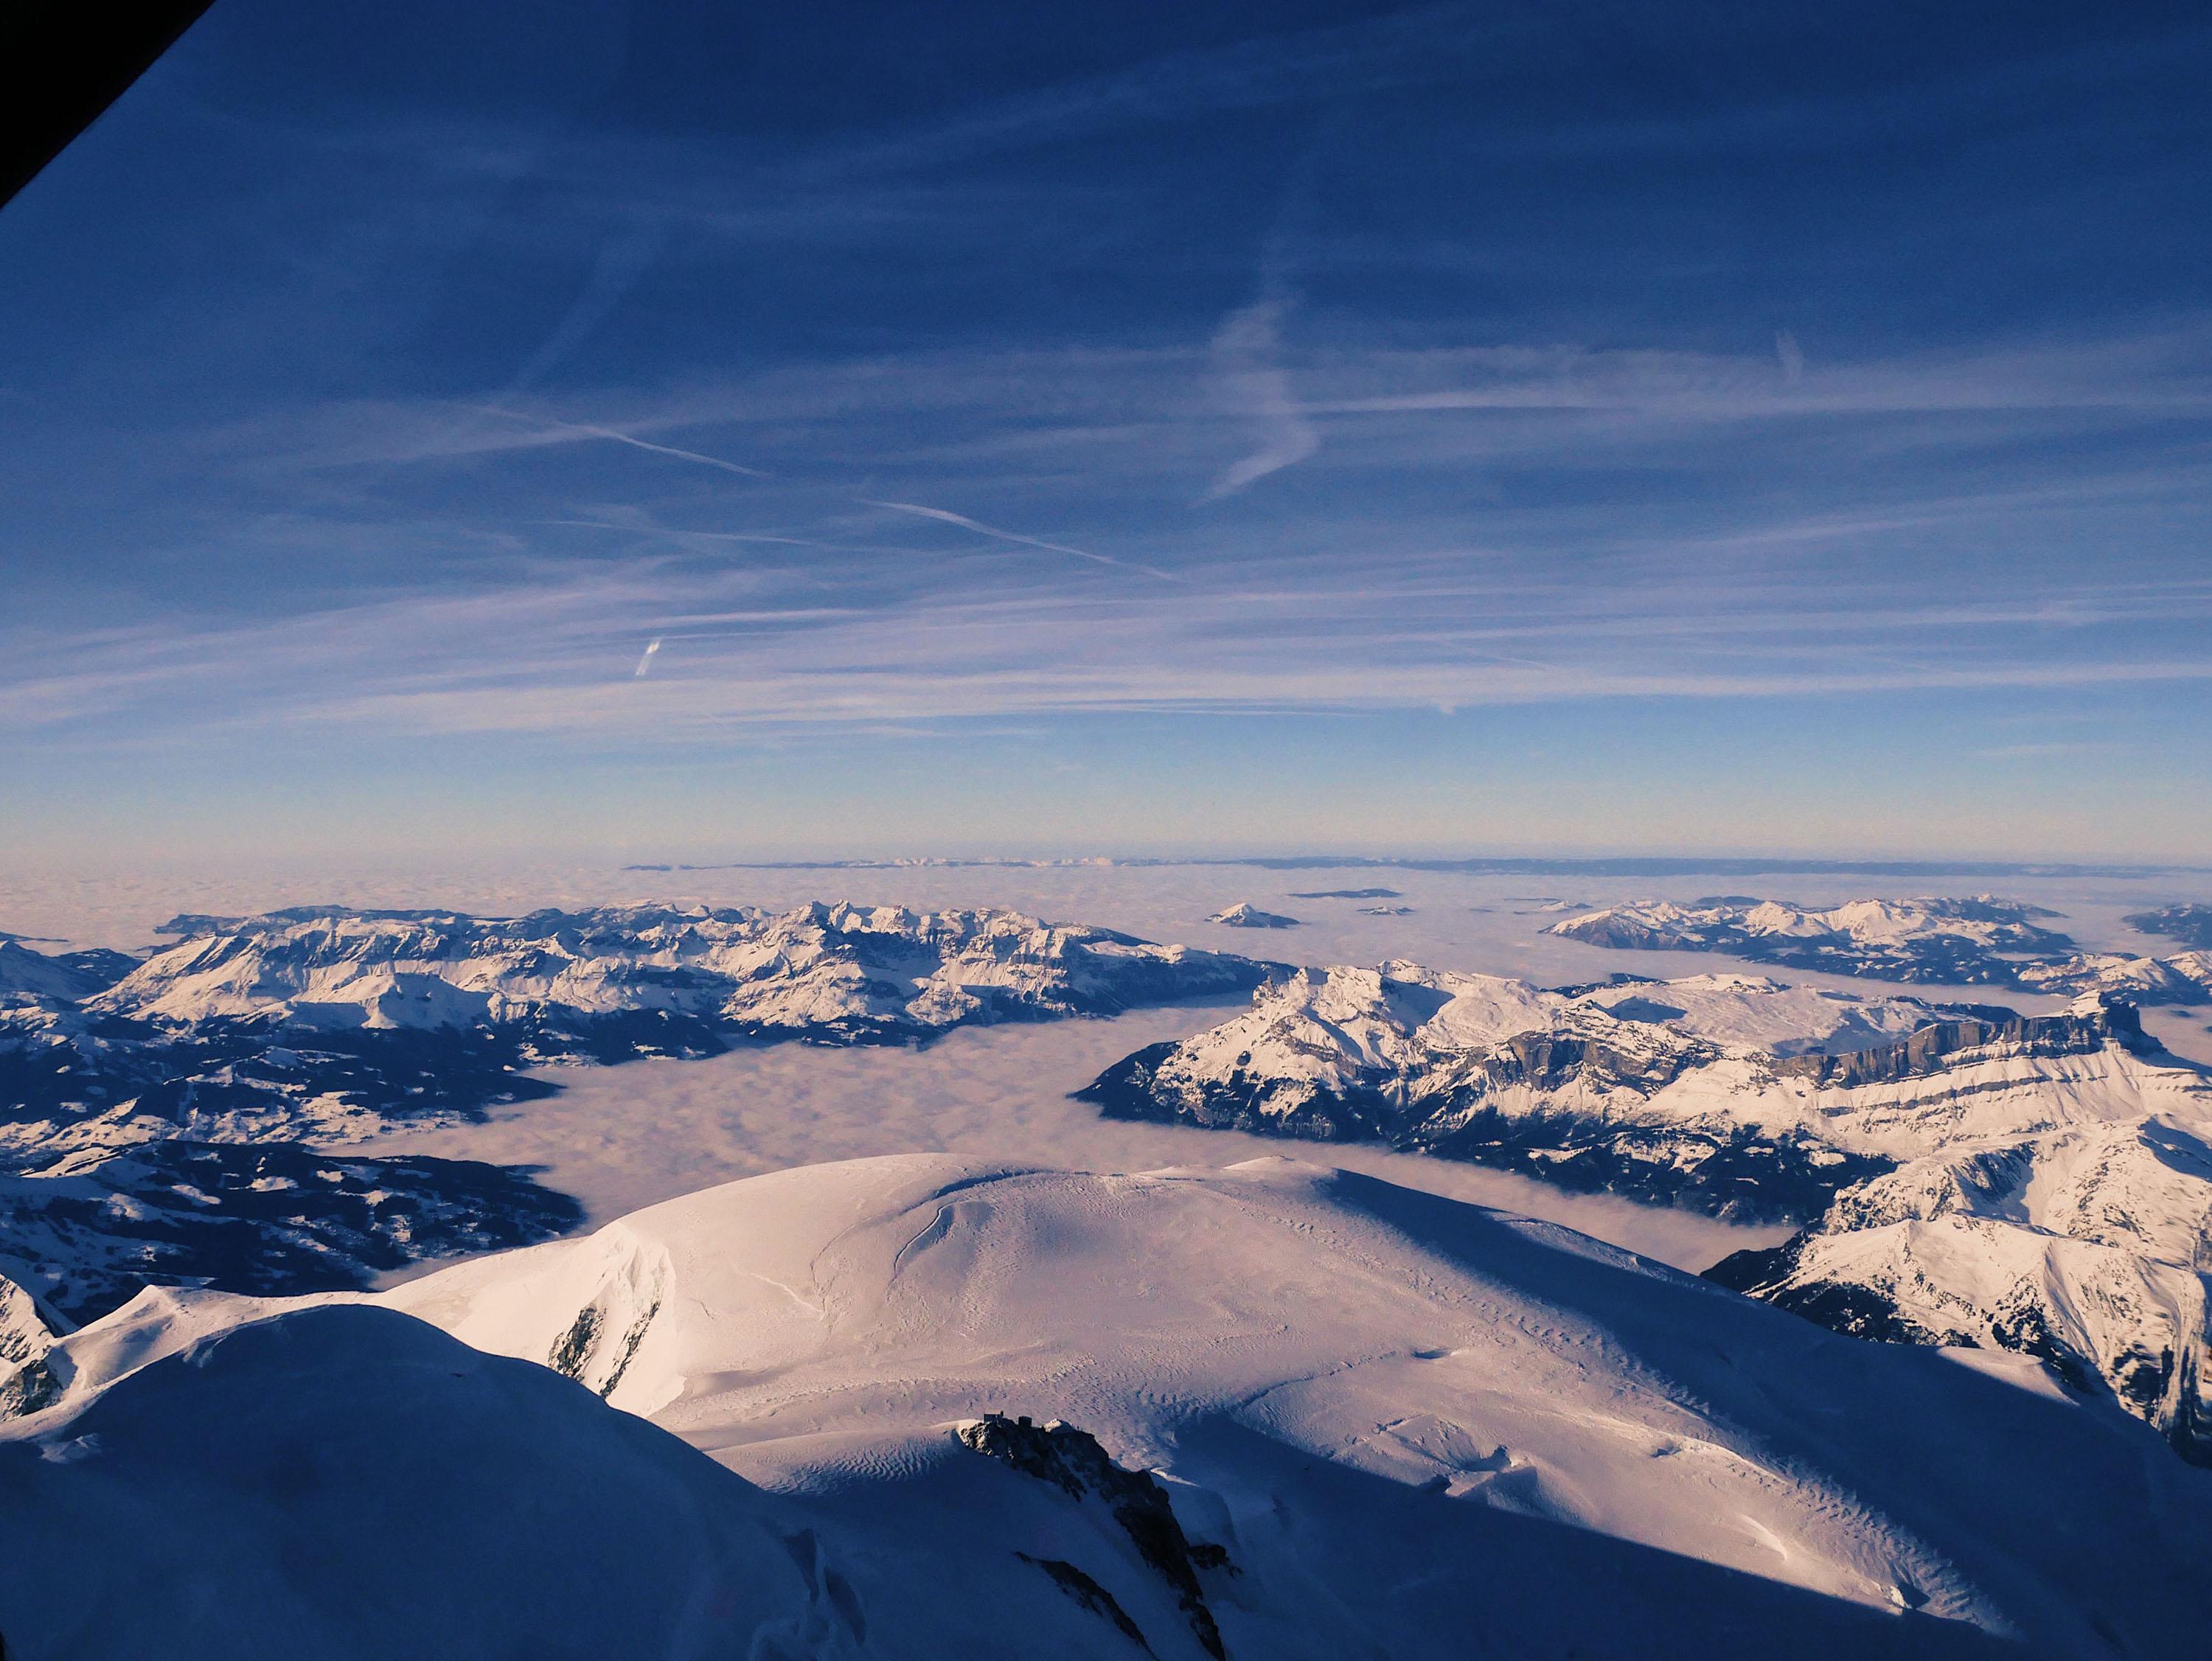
[[161, 1120], [1983, 941], [1961, 1174], [1622, 865], [1966, 1174]]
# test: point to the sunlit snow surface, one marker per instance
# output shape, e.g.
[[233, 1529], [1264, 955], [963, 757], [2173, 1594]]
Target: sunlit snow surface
[[1412, 1427]]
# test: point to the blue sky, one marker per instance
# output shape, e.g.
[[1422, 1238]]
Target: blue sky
[[1129, 429]]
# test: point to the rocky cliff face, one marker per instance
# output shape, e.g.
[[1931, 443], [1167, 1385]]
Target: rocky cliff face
[[1942, 1044], [27, 1335], [1072, 1461]]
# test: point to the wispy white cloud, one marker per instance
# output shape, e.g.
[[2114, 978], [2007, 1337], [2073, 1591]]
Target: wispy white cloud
[[620, 261], [1256, 388], [1331, 61], [1271, 637], [1126, 417]]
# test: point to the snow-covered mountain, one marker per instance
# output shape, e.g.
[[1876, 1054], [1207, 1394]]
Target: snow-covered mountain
[[348, 1484], [2185, 978], [66, 976], [1978, 1139], [1730, 1093], [825, 973], [2086, 1246], [1983, 941], [1302, 1413], [164, 1122], [28, 1331], [1246, 915], [2190, 925]]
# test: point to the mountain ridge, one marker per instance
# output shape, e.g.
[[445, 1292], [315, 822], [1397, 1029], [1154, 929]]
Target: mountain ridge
[[1958, 1173]]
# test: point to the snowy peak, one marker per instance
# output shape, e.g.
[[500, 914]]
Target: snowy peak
[[63, 976], [1246, 915]]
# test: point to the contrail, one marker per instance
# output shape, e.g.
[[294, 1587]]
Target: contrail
[[645, 661], [585, 430], [978, 526], [610, 434]]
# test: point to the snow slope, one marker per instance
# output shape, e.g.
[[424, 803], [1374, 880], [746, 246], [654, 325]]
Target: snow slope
[[348, 1483], [1388, 1424]]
